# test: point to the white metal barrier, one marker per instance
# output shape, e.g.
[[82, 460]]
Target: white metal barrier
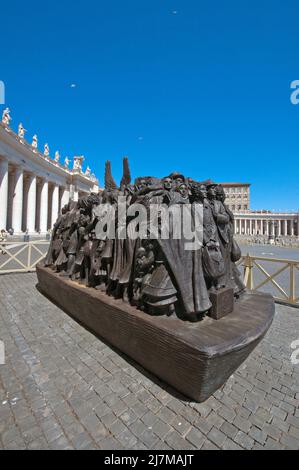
[[21, 257]]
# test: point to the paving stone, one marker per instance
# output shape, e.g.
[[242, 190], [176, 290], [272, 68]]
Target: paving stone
[[294, 432], [290, 442], [215, 420], [217, 437], [66, 389], [258, 435], [278, 412], [272, 431], [110, 443], [149, 438], [293, 420], [181, 425], [53, 434], [38, 444], [127, 439], [128, 417], [244, 440], [203, 425], [196, 438], [209, 446], [230, 445], [161, 429], [242, 424], [284, 426], [229, 429], [176, 442], [271, 444]]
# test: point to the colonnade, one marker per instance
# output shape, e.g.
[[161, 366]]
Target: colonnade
[[276, 225], [27, 201]]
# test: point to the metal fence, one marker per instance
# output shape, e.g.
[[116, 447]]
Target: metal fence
[[279, 277], [21, 257]]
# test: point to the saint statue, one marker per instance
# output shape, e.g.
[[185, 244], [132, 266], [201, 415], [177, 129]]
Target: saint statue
[[21, 131], [88, 171], [6, 117], [66, 162], [46, 150], [34, 141], [57, 157], [78, 161]]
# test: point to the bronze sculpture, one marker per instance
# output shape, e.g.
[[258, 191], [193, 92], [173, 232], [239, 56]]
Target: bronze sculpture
[[120, 261], [162, 286]]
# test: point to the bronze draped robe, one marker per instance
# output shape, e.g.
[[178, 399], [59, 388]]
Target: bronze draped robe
[[186, 271]]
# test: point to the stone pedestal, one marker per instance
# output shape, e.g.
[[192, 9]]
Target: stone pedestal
[[222, 303]]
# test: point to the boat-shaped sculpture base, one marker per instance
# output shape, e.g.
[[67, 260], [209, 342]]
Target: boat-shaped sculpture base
[[194, 358]]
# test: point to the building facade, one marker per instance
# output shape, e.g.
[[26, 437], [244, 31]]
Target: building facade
[[237, 196], [33, 186], [258, 223]]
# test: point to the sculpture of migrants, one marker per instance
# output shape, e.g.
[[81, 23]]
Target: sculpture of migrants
[[160, 251]]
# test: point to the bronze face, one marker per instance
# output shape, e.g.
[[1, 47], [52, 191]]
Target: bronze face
[[212, 192], [167, 183]]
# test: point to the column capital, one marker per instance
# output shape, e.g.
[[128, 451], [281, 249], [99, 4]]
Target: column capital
[[15, 169]]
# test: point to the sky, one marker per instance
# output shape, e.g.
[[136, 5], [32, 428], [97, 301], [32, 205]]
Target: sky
[[193, 86]]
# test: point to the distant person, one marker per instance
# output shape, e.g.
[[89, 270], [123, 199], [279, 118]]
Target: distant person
[[26, 236], [3, 235], [3, 238]]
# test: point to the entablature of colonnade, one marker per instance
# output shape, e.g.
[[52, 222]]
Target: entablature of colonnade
[[19, 153], [266, 216], [79, 182]]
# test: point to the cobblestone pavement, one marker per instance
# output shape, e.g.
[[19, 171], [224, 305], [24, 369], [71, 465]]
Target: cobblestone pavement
[[63, 388]]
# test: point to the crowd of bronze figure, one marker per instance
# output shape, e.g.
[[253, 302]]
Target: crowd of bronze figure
[[158, 276]]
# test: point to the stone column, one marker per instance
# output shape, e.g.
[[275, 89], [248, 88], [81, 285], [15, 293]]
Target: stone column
[[279, 228], [250, 227], [55, 205], [285, 228], [267, 227], [65, 198], [31, 204], [17, 205], [292, 228], [3, 193], [43, 219], [76, 196]]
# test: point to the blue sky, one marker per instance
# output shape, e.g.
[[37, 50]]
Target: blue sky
[[194, 86]]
